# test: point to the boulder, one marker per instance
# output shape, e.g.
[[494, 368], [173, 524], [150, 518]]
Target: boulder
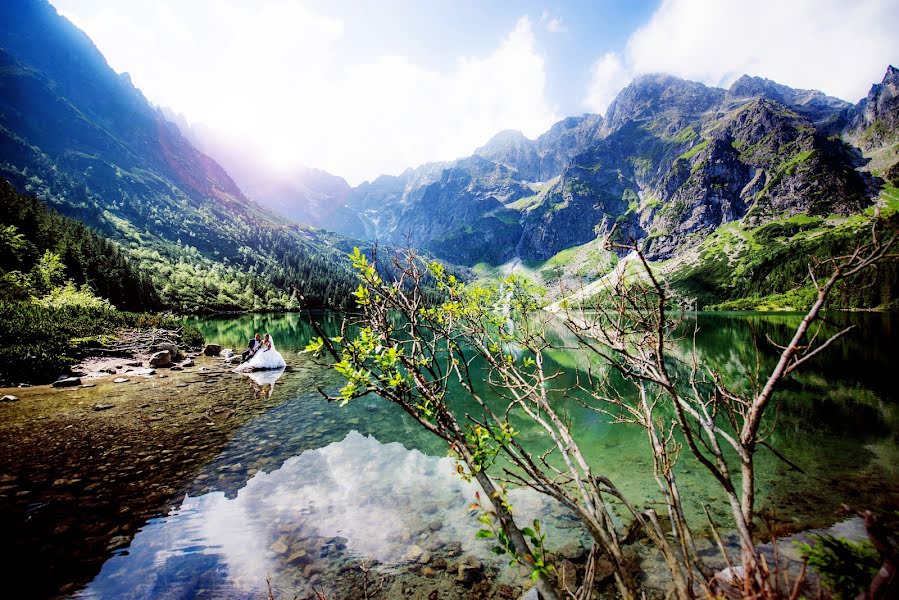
[[163, 358], [67, 382], [9, 398], [172, 349], [212, 350]]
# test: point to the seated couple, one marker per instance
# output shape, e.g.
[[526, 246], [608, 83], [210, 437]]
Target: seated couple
[[261, 355]]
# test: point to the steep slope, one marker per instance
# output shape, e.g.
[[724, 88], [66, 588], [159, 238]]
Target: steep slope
[[86, 141]]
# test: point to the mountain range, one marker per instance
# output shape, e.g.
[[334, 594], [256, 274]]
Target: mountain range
[[719, 185]]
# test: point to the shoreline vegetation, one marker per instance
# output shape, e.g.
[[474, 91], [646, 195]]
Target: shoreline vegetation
[[65, 289]]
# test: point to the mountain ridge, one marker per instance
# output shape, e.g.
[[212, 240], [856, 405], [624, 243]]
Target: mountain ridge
[[671, 159]]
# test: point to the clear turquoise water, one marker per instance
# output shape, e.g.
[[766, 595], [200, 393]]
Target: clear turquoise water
[[308, 483]]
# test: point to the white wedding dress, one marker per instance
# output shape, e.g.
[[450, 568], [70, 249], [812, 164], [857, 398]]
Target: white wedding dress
[[266, 358]]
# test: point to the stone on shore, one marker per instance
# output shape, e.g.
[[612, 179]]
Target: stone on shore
[[212, 350], [67, 382], [163, 358], [9, 398]]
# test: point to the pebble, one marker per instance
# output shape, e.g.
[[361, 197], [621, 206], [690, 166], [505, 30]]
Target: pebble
[[99, 407], [415, 552]]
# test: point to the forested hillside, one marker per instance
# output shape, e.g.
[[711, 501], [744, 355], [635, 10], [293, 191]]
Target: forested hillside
[[86, 142]]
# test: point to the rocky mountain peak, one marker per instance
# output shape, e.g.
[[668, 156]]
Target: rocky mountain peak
[[816, 106], [876, 118], [503, 141], [651, 96]]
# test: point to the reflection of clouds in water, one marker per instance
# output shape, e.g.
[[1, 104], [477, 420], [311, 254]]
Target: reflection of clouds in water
[[375, 495]]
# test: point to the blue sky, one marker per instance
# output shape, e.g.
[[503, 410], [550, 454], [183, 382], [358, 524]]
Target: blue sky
[[363, 87]]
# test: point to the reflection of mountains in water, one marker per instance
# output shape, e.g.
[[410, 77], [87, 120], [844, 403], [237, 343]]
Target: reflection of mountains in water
[[357, 497]]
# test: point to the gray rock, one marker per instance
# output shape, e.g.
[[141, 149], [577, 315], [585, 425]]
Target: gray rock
[[212, 350], [67, 382], [99, 407], [121, 380], [531, 594], [163, 358]]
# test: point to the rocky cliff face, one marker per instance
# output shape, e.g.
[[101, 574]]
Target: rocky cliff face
[[671, 161], [875, 119]]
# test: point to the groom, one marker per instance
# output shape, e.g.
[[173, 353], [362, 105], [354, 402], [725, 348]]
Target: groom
[[251, 348]]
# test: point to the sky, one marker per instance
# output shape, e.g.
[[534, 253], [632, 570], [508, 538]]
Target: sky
[[364, 87]]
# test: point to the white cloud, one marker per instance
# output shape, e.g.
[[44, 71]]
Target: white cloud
[[276, 74], [838, 47], [551, 23]]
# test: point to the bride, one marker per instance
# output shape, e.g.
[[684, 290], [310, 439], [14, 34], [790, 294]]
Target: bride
[[265, 357]]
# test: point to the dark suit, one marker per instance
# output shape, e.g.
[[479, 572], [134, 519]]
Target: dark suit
[[251, 349]]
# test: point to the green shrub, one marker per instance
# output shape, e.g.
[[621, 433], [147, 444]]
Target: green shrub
[[846, 568]]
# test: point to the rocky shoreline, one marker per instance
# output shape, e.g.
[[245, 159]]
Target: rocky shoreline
[[83, 466]]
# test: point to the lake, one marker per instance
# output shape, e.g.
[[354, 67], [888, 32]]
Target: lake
[[291, 489]]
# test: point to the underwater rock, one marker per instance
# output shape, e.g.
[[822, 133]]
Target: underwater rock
[[568, 576], [573, 551], [435, 525], [414, 552], [279, 546]]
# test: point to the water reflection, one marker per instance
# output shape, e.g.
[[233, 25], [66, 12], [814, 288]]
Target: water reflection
[[264, 381], [356, 498], [299, 494]]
